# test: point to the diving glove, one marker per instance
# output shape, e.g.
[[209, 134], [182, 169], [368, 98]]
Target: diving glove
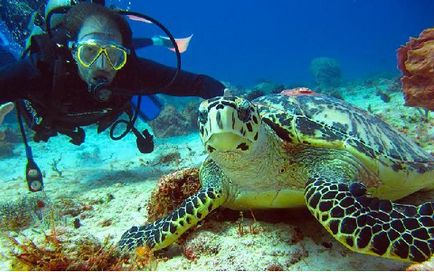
[[145, 141]]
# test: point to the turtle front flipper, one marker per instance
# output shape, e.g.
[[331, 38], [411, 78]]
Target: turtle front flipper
[[368, 225], [167, 230]]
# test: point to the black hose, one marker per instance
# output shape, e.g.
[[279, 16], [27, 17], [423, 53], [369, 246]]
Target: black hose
[[130, 123], [167, 32], [23, 133]]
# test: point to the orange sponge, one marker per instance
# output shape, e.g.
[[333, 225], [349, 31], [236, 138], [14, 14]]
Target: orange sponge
[[416, 61]]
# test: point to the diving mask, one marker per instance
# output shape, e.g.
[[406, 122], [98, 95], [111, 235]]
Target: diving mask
[[89, 51]]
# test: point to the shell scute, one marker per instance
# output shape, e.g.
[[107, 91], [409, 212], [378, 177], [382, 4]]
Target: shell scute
[[329, 122]]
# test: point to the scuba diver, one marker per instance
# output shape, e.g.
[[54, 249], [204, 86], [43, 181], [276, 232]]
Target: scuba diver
[[85, 71]]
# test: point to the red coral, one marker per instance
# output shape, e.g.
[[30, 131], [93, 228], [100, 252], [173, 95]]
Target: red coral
[[171, 190], [416, 61], [298, 91], [189, 253]]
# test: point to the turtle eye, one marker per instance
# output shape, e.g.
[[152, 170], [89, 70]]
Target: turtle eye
[[203, 116], [244, 111]]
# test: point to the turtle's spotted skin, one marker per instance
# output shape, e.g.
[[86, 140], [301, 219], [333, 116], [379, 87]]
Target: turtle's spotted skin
[[282, 151], [165, 231], [370, 225]]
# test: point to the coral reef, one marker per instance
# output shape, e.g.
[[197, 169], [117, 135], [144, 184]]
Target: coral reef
[[55, 254], [58, 248], [298, 91], [326, 73], [172, 122], [416, 61], [171, 190], [22, 213]]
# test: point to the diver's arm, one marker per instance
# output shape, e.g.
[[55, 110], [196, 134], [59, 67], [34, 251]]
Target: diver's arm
[[186, 83], [143, 42], [19, 79]]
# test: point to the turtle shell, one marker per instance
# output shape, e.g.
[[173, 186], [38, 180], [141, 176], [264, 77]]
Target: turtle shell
[[318, 120]]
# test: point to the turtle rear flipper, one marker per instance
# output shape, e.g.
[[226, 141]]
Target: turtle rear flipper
[[369, 225], [166, 230]]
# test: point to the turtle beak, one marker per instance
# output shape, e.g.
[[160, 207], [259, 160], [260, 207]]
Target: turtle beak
[[227, 142]]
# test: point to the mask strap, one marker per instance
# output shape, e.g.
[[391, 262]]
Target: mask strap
[[144, 140]]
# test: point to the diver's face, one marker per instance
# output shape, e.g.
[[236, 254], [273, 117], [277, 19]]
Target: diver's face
[[94, 28]]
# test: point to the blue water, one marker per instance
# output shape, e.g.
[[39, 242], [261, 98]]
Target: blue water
[[245, 41]]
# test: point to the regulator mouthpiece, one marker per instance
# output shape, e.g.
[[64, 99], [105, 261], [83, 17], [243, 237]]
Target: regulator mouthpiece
[[100, 90]]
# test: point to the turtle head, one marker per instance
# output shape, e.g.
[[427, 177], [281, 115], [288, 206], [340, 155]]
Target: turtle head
[[228, 124]]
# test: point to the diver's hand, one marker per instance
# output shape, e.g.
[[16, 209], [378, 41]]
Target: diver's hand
[[145, 143]]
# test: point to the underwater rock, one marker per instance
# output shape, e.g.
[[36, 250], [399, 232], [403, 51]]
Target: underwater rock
[[326, 72], [191, 114], [416, 61], [383, 96], [6, 149], [254, 94], [263, 88], [12, 136], [268, 87], [172, 122], [235, 90]]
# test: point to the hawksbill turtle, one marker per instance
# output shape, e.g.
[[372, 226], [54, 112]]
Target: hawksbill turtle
[[305, 149]]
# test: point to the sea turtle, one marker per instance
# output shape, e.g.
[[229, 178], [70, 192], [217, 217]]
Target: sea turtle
[[299, 148]]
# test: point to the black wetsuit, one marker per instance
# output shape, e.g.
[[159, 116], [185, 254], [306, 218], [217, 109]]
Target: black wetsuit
[[62, 103]]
